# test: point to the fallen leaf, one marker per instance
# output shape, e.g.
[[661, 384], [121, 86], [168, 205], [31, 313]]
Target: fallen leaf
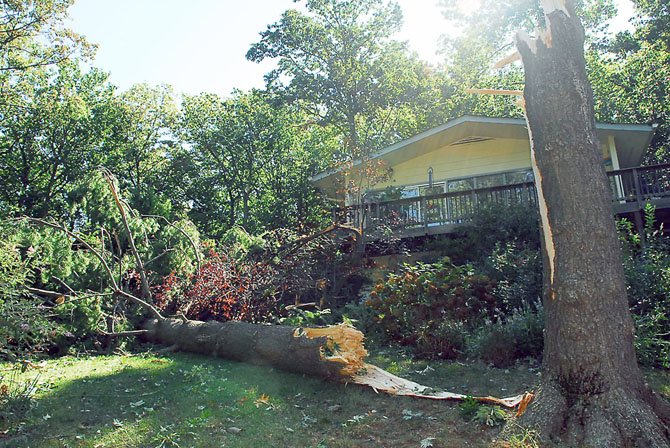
[[263, 400]]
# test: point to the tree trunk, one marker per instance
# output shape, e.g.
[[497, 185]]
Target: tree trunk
[[337, 356], [335, 353], [592, 392]]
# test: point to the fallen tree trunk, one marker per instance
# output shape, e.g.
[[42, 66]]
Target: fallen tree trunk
[[335, 353], [336, 356]]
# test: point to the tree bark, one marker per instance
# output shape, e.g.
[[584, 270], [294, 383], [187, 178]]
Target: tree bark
[[286, 348], [592, 392]]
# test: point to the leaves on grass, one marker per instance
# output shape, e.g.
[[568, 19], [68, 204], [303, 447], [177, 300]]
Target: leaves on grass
[[263, 400]]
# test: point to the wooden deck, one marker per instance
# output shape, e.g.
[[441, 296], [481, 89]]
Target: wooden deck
[[443, 213]]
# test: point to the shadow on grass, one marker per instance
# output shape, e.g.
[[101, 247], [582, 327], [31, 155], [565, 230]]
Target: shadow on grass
[[189, 400]]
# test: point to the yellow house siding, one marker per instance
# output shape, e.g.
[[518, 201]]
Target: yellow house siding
[[470, 159]]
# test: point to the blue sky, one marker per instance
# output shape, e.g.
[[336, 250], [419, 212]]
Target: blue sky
[[201, 47]]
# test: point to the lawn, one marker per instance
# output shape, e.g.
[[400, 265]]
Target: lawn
[[182, 400]]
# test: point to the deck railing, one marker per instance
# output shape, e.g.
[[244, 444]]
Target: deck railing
[[631, 188], [640, 184]]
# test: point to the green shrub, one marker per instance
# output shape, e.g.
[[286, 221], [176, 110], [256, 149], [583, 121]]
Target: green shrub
[[526, 326], [647, 266], [430, 306], [517, 269], [502, 342], [493, 344], [442, 340], [490, 226], [490, 416], [16, 315]]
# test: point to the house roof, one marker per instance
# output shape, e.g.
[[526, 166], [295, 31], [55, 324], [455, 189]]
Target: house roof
[[631, 140]]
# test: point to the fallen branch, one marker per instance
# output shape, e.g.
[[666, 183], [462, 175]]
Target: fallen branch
[[120, 334], [297, 244]]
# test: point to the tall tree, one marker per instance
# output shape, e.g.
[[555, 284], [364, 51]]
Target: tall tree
[[339, 60], [470, 53], [138, 146], [247, 161], [32, 34], [631, 75], [50, 137], [592, 392]]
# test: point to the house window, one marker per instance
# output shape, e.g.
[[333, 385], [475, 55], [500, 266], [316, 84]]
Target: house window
[[493, 180], [461, 185], [423, 190], [490, 180]]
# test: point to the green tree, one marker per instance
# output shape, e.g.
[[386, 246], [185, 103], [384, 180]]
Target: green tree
[[338, 61], [470, 54], [653, 20], [138, 145], [50, 137], [246, 161], [32, 34], [631, 75]]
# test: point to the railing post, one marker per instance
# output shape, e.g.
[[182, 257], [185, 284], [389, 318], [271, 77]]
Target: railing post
[[423, 214], [638, 189], [474, 205]]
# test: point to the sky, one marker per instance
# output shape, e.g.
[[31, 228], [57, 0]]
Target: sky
[[202, 47]]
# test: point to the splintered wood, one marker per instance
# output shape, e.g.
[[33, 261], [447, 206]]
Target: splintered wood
[[345, 346]]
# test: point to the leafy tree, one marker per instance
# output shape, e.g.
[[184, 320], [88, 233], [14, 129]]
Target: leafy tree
[[653, 20], [138, 145], [630, 76], [32, 34], [50, 136], [469, 55], [247, 161], [339, 63]]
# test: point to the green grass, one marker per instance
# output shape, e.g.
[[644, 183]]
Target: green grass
[[182, 400]]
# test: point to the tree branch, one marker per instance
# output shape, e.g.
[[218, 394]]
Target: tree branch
[[146, 292], [117, 291], [183, 232]]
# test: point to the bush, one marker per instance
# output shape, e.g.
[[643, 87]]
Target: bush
[[493, 344], [429, 306], [491, 226], [224, 289], [442, 340], [517, 270], [501, 343], [647, 267], [28, 323]]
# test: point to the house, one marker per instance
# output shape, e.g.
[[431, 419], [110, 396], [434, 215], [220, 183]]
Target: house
[[438, 178]]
